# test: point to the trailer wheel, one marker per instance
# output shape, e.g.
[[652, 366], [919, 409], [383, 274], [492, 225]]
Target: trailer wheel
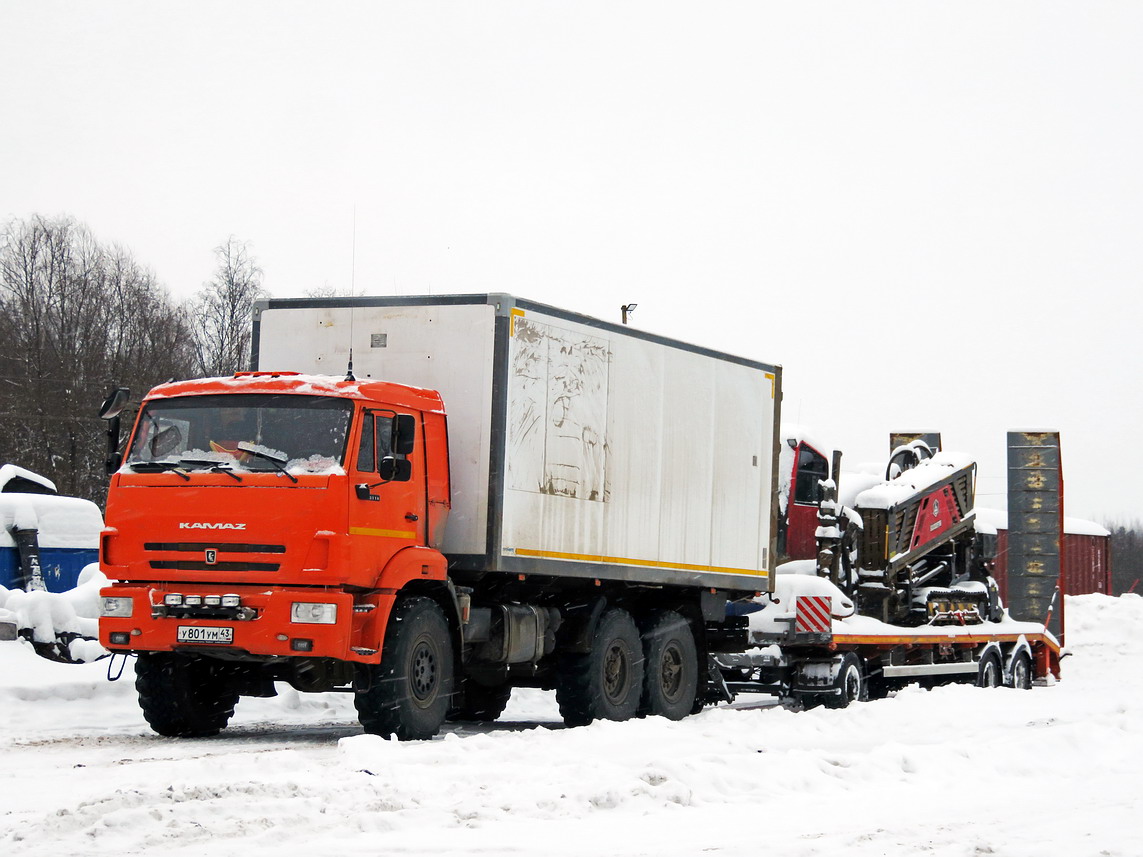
[[183, 696], [480, 703], [409, 692], [670, 666], [990, 674], [1021, 678], [849, 682], [606, 682]]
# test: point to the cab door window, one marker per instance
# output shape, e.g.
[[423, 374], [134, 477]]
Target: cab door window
[[374, 426], [387, 440], [812, 469]]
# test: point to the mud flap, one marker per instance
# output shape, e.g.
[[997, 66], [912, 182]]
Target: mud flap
[[714, 689]]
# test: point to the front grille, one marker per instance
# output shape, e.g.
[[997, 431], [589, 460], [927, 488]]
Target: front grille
[[202, 565], [873, 553], [224, 547]]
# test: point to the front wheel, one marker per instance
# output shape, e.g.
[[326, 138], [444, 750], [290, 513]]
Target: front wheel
[[409, 692], [480, 703], [183, 696]]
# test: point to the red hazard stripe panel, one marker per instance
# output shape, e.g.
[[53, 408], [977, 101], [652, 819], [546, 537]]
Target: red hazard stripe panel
[[811, 614]]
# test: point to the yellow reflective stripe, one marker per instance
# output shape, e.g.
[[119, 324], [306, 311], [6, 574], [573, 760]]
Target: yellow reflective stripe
[[770, 375], [514, 314], [648, 563], [387, 534]]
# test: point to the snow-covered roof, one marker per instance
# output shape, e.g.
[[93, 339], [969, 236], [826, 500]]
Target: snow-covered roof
[[62, 522], [8, 472], [991, 520]]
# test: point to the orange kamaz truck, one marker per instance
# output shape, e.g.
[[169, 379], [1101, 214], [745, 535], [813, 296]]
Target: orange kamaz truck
[[429, 501]]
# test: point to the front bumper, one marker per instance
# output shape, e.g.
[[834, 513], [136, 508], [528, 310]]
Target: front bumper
[[263, 623]]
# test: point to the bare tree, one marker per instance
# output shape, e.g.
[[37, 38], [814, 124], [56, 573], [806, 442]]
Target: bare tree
[[75, 315], [220, 312], [328, 291]]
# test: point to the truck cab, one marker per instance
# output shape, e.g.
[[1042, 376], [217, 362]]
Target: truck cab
[[270, 519]]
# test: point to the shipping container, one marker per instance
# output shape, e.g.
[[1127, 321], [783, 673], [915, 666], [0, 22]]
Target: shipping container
[[1086, 552]]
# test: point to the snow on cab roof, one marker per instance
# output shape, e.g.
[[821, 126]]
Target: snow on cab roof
[[296, 383]]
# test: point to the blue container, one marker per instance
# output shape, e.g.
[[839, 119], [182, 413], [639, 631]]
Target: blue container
[[60, 566]]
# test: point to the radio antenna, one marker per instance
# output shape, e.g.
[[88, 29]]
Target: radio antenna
[[352, 290]]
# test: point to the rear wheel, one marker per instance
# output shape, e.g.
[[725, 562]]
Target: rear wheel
[[849, 683], [670, 667], [606, 682], [989, 674], [1021, 672], [408, 693], [183, 696]]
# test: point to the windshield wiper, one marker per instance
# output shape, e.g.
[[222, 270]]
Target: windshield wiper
[[278, 463], [214, 466], [158, 467]]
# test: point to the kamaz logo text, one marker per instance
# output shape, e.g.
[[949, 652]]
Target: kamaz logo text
[[197, 525]]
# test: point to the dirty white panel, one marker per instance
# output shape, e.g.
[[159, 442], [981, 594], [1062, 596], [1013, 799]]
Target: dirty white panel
[[448, 348], [635, 440], [557, 413], [740, 469], [688, 414], [684, 455]]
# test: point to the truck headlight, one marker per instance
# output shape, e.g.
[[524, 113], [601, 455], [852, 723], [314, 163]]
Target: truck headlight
[[307, 613], [117, 608]]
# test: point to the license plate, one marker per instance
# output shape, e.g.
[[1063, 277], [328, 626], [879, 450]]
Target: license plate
[[195, 634]]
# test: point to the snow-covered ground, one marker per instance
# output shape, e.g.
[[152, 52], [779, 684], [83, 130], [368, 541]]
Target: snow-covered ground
[[954, 771]]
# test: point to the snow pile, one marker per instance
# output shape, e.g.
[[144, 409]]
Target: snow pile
[[48, 615], [62, 522], [950, 772]]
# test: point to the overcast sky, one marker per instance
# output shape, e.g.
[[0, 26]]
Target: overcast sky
[[929, 213]]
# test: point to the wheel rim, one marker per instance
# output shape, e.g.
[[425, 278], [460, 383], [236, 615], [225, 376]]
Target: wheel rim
[[1020, 674], [852, 687], [616, 672], [671, 672], [989, 676], [423, 672]]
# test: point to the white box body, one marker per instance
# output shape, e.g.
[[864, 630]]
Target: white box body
[[577, 447]]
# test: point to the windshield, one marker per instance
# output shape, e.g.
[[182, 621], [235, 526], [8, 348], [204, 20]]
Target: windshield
[[303, 433]]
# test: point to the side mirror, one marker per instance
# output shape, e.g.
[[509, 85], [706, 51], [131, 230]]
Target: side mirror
[[112, 407], [395, 469], [114, 404], [404, 434]]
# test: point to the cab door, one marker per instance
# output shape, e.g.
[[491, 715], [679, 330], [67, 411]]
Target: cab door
[[810, 468], [387, 487]]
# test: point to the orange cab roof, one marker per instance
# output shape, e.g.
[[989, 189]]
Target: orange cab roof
[[295, 383]]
